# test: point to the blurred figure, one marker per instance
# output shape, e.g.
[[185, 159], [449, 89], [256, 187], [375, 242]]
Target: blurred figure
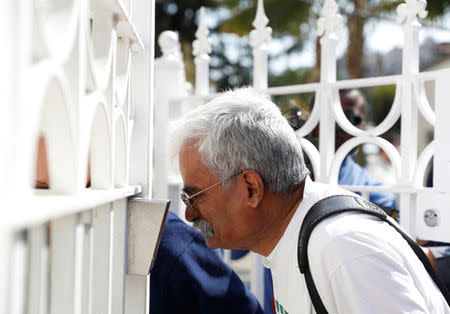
[[378, 163], [351, 173]]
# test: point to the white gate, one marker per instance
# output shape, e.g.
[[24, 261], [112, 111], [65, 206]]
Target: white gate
[[79, 75], [425, 212]]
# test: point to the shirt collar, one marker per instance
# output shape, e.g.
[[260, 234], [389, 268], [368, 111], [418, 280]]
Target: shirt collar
[[298, 217]]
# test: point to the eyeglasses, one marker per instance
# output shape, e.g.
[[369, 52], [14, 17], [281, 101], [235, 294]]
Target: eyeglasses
[[189, 200]]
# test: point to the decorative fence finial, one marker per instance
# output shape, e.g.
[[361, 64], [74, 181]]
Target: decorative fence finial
[[262, 33], [331, 20], [408, 12], [169, 44], [201, 44]]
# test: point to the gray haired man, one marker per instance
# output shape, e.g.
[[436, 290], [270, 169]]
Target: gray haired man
[[246, 187]]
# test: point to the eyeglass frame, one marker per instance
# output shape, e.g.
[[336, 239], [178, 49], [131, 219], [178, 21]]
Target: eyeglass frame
[[186, 198]]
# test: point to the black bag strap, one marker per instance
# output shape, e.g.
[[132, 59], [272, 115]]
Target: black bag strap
[[337, 204]]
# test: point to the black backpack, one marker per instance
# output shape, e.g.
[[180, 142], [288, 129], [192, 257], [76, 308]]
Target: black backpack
[[337, 204]]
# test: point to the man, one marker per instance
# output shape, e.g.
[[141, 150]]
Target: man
[[246, 187]]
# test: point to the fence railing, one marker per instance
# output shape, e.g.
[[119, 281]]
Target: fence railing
[[424, 212], [78, 78]]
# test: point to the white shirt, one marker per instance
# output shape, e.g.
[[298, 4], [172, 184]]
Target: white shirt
[[359, 264]]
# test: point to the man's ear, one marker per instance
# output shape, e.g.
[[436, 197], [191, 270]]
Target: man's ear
[[255, 187]]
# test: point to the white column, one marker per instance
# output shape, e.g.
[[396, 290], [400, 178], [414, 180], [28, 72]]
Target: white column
[[9, 83], [141, 144], [118, 236], [8, 80], [327, 26], [6, 240], [201, 51], [18, 273], [259, 40], [38, 270], [137, 294], [409, 118], [66, 240], [169, 83], [145, 220], [101, 258], [441, 166]]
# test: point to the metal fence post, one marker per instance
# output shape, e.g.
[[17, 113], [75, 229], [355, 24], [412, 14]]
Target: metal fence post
[[170, 82], [409, 117], [327, 26], [259, 39], [201, 51]]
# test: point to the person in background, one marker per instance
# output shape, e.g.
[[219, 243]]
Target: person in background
[[351, 173], [378, 163], [190, 278]]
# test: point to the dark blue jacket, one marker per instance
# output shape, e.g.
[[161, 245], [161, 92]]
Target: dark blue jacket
[[188, 277]]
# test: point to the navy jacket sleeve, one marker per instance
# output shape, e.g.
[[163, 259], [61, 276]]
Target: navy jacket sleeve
[[188, 277]]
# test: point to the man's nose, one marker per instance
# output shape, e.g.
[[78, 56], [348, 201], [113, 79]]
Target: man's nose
[[191, 214]]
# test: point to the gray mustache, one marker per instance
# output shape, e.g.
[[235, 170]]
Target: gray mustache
[[204, 227]]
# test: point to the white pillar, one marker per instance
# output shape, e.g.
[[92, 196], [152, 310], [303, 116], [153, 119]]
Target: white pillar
[[141, 143], [9, 63], [137, 295], [441, 133], [170, 82], [409, 118], [259, 39], [201, 51], [327, 26]]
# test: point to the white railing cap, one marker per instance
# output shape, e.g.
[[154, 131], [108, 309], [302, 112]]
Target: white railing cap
[[407, 12], [331, 21], [201, 45]]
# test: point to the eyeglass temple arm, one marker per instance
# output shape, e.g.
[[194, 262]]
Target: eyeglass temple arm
[[206, 189]]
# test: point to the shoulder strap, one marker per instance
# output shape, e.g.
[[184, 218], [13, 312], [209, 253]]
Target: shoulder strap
[[338, 204]]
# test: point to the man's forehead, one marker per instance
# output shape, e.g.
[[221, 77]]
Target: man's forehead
[[191, 166], [190, 159]]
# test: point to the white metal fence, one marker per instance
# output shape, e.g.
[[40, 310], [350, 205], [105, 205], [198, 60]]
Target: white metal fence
[[79, 74], [425, 212]]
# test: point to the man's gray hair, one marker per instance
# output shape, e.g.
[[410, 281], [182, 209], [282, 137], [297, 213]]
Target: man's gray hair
[[242, 129]]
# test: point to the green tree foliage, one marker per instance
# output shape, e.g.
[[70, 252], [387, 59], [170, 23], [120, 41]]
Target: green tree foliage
[[294, 18], [436, 8], [380, 100], [285, 17], [293, 103], [179, 16]]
